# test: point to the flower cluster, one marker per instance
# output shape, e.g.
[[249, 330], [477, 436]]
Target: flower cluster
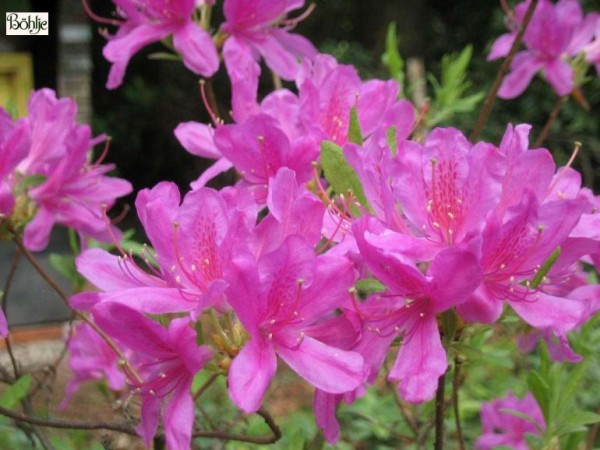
[[333, 194], [556, 35], [48, 177]]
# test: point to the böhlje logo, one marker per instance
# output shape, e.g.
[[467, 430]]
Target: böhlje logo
[[27, 24]]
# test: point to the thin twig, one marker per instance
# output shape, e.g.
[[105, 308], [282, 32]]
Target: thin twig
[[206, 385], [7, 284], [551, 119], [455, 389], [66, 424], [591, 438], [491, 97], [54, 285], [440, 407], [276, 432]]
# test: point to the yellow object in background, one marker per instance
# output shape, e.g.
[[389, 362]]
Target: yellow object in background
[[16, 82]]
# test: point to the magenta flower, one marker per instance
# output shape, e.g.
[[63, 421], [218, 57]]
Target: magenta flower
[[501, 428], [445, 187], [511, 254], [549, 42], [276, 298], [328, 91], [91, 359], [193, 244], [258, 148], [167, 360], [72, 191], [142, 23], [410, 305], [254, 31]]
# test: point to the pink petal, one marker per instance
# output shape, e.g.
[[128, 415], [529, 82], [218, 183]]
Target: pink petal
[[37, 232], [560, 76], [420, 362], [150, 415], [197, 49], [108, 272], [220, 166], [502, 46], [179, 418], [198, 139], [121, 48], [151, 300], [250, 374], [327, 368], [540, 310], [243, 72], [522, 70], [324, 407]]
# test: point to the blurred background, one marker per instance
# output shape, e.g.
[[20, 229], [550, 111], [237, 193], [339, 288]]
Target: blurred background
[[157, 95]]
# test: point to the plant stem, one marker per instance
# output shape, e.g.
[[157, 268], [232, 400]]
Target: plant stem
[[11, 272], [551, 119], [455, 389], [491, 97], [54, 285], [440, 406]]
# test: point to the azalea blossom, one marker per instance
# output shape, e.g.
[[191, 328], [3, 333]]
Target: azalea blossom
[[50, 153], [142, 23], [276, 298], [501, 428], [166, 361], [408, 309], [554, 34]]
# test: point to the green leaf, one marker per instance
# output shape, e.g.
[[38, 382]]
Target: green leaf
[[541, 391], [470, 351], [576, 421], [32, 181], [449, 325], [354, 131], [369, 285], [391, 57], [65, 265], [339, 173], [543, 271], [12, 396], [392, 140]]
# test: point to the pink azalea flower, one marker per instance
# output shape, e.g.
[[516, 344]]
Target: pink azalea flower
[[549, 42], [49, 144], [258, 148], [328, 91], [410, 305], [167, 360], [193, 244], [142, 23], [276, 298], [253, 31], [511, 254], [293, 210], [91, 359], [445, 187], [501, 428]]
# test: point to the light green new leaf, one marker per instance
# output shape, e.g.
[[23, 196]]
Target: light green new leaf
[[391, 57], [339, 173], [15, 393], [354, 131]]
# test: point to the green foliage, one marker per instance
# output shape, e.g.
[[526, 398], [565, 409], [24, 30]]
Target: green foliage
[[450, 92], [354, 131], [16, 392], [391, 58], [339, 173]]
